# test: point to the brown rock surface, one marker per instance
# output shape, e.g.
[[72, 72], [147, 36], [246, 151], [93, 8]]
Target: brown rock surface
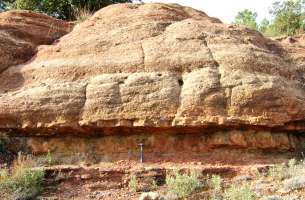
[[295, 48], [154, 65], [22, 31]]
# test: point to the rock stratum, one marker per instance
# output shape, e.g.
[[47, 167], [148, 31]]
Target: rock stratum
[[148, 68]]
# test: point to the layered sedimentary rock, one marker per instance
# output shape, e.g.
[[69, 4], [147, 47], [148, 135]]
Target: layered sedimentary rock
[[156, 68]]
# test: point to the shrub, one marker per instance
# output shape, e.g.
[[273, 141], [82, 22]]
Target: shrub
[[239, 192], [215, 184], [278, 173], [183, 185], [21, 182], [49, 158], [133, 183]]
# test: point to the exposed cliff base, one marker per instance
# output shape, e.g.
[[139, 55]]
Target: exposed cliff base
[[161, 144]]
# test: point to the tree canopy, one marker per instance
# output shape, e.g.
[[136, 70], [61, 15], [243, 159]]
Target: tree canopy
[[264, 25], [247, 18], [288, 18], [2, 6], [63, 9]]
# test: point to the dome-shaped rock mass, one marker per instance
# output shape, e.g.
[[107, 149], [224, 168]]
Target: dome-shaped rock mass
[[146, 67]]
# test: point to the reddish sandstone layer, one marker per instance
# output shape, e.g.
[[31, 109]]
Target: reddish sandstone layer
[[152, 65]]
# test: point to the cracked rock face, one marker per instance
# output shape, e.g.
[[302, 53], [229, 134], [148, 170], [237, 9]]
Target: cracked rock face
[[155, 65]]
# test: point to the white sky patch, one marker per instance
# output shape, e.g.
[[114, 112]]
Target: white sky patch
[[225, 10]]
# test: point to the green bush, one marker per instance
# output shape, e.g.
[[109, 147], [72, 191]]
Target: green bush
[[247, 18], [21, 182], [183, 185]]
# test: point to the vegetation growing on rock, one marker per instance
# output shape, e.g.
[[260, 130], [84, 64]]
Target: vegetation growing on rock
[[21, 181]]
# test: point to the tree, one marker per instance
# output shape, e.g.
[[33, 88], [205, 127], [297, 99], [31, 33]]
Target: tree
[[288, 16], [264, 25], [63, 9], [2, 6], [247, 18]]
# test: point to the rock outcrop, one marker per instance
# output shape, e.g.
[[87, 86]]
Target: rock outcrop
[[22, 31], [148, 66]]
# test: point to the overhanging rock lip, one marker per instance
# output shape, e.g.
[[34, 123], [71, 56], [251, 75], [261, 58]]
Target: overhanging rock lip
[[93, 130]]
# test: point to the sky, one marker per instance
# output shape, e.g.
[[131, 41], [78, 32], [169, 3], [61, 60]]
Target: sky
[[225, 10]]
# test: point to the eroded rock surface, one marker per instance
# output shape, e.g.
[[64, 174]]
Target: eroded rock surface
[[22, 31], [154, 65]]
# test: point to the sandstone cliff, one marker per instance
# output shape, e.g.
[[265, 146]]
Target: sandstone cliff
[[150, 65]]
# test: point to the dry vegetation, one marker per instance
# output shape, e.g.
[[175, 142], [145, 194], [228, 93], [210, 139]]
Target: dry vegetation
[[286, 181], [279, 182], [23, 180]]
